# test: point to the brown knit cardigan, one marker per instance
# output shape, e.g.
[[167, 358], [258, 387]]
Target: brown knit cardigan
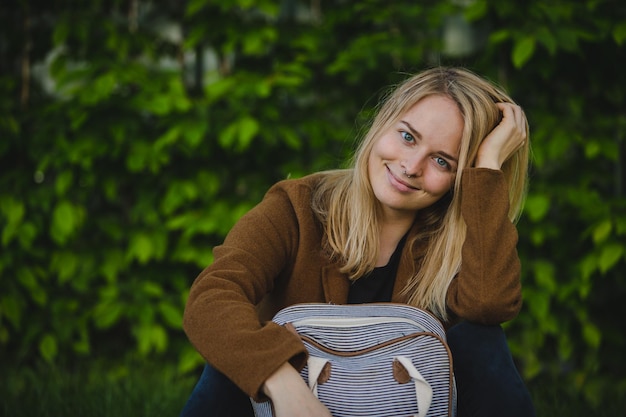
[[272, 258]]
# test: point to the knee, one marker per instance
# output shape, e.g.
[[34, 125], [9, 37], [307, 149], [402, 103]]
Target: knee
[[477, 341], [486, 375]]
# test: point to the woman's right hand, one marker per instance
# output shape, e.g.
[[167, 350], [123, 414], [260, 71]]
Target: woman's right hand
[[290, 395], [505, 139]]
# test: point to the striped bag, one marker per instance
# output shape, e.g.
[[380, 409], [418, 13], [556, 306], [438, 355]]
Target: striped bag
[[373, 360]]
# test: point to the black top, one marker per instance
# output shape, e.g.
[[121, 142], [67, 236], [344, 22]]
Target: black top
[[377, 286]]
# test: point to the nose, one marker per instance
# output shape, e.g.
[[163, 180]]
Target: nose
[[413, 165]]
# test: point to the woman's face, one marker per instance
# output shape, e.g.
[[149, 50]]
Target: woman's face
[[413, 164]]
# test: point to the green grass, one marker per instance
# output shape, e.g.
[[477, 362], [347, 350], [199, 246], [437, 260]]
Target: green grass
[[113, 391], [154, 389]]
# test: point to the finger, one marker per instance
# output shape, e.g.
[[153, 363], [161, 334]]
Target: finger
[[517, 117], [508, 113]]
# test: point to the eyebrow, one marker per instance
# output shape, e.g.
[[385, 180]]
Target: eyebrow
[[419, 136]]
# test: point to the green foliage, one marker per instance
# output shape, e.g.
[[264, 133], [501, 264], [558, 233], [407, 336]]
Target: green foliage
[[134, 134]]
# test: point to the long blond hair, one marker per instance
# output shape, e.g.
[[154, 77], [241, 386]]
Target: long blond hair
[[346, 205]]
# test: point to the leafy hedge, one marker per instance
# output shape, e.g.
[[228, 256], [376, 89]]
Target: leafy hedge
[[133, 134]]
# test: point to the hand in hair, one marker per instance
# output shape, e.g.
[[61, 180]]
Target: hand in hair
[[505, 139]]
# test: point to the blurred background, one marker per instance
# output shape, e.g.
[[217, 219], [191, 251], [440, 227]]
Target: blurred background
[[134, 133]]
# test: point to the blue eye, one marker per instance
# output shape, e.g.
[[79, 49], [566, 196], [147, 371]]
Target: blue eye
[[407, 136], [441, 162]]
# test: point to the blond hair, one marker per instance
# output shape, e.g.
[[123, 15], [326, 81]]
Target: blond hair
[[346, 205]]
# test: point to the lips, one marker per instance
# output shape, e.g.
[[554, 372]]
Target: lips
[[398, 183]]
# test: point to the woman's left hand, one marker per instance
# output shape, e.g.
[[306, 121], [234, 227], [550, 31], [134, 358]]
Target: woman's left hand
[[505, 139]]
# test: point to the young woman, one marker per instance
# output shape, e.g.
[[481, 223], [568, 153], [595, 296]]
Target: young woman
[[425, 216]]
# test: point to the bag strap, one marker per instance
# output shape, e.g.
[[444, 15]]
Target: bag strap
[[319, 372], [423, 390]]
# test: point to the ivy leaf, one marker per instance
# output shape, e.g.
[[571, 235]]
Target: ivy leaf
[[173, 316], [107, 314], [239, 134], [523, 51], [140, 247], [66, 218], [592, 335], [11, 309], [537, 206], [48, 347], [13, 211], [602, 231], [609, 256], [189, 359], [619, 33]]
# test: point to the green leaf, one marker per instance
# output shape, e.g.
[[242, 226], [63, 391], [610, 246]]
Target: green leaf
[[159, 338], [140, 247], [66, 218], [48, 347], [538, 303], [27, 278], [545, 276], [189, 359], [173, 316], [537, 206], [13, 210], [499, 36], [547, 39], [592, 335], [588, 266], [10, 307], [592, 149], [220, 88], [248, 128], [27, 234], [476, 10], [522, 51], [619, 33], [66, 264], [100, 89], [82, 345], [150, 337], [152, 289], [610, 254], [194, 7], [64, 182], [107, 314], [4, 335], [114, 262], [239, 134], [61, 32], [194, 132], [602, 231]]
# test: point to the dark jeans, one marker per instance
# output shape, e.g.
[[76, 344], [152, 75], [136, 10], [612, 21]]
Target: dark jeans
[[488, 383]]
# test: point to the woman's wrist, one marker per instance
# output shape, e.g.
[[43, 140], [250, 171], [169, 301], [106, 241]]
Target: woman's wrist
[[281, 378]]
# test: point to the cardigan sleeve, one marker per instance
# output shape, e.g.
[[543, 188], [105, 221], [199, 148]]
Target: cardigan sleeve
[[487, 288], [220, 318]]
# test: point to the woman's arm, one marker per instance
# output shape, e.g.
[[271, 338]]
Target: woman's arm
[[290, 395], [487, 288], [220, 318]]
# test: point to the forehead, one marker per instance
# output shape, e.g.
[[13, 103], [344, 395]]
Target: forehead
[[435, 118]]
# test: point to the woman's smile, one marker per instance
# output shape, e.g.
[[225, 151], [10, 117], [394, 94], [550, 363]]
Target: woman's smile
[[398, 183]]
